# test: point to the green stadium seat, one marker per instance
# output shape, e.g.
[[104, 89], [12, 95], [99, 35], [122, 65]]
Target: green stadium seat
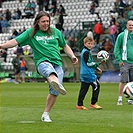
[[6, 75], [2, 75], [68, 76], [34, 75]]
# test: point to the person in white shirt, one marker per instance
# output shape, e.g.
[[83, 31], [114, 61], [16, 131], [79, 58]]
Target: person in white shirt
[[90, 33]]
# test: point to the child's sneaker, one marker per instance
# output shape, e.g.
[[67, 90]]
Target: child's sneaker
[[46, 118], [95, 106], [81, 108], [119, 102], [58, 87], [16, 82]]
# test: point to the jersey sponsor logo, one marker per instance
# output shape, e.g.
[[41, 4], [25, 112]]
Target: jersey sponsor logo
[[45, 39], [38, 38]]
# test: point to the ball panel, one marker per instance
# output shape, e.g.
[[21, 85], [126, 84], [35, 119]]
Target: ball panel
[[103, 55], [128, 90]]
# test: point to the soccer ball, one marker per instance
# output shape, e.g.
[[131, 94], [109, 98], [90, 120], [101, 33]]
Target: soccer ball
[[103, 55], [128, 90]]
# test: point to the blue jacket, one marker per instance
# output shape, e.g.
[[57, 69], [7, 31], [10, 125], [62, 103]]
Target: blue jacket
[[4, 23], [87, 67]]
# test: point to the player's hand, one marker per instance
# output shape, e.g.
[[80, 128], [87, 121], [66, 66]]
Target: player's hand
[[74, 60], [99, 70], [102, 61], [121, 64]]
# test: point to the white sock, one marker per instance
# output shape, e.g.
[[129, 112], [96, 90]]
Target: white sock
[[119, 98]]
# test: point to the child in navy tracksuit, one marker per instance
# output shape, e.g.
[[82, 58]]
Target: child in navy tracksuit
[[88, 76]]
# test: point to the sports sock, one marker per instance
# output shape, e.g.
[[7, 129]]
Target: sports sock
[[46, 113], [119, 98]]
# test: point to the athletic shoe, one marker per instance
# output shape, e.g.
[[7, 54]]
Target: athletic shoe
[[81, 108], [19, 81], [16, 82], [58, 87], [129, 102], [46, 118], [95, 106], [119, 102]]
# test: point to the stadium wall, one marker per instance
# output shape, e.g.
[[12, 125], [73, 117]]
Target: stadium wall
[[69, 67]]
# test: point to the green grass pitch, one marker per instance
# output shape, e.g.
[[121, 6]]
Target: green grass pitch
[[21, 107]]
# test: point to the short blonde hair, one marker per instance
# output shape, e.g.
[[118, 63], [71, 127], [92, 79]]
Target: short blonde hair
[[88, 39]]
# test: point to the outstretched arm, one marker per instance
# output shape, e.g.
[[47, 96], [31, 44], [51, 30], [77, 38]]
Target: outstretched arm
[[9, 44]]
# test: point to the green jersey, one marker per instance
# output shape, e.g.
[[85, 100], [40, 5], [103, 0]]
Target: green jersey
[[130, 15], [45, 47], [118, 50]]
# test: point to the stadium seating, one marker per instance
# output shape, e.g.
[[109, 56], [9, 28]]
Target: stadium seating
[[4, 75], [76, 11]]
